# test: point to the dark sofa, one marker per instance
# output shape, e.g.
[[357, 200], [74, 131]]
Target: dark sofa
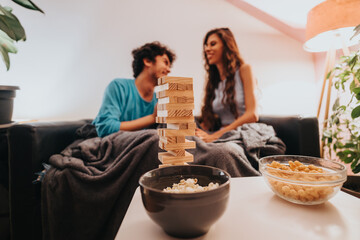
[[30, 145]]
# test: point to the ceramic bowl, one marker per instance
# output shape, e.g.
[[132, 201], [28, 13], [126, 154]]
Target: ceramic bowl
[[185, 215], [301, 187]]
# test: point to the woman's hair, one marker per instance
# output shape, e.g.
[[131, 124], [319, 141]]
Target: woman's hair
[[149, 51], [231, 61]]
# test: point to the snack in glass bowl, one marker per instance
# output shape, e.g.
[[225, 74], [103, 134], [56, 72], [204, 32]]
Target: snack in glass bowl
[[302, 179]]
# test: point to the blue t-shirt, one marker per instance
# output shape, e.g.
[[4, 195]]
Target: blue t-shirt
[[224, 112], [121, 102]]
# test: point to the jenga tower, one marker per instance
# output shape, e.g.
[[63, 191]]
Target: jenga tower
[[175, 108]]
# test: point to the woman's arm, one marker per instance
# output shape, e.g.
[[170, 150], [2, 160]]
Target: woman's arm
[[250, 114]]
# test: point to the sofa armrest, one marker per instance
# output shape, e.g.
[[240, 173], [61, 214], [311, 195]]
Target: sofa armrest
[[30, 145], [300, 134]]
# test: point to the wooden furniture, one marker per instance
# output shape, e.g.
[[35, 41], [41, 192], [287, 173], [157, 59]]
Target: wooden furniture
[[255, 212]]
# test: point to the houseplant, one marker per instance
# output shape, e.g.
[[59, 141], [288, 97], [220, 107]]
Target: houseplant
[[11, 30], [342, 132]]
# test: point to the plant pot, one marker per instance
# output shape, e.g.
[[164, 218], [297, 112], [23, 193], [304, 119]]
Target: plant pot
[[352, 185], [7, 95]]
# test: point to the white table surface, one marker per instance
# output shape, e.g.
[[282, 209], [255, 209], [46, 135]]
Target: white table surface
[[255, 212]]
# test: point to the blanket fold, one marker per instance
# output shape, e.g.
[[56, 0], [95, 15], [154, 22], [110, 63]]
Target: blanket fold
[[87, 191], [86, 196]]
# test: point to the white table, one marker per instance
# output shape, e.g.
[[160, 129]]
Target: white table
[[254, 212]]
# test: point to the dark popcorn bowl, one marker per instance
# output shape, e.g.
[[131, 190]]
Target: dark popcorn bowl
[[303, 188], [185, 215]]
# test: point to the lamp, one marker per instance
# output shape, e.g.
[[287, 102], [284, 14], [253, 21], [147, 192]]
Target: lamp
[[329, 27]]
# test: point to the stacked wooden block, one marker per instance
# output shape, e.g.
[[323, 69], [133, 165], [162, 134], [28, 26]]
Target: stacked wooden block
[[175, 108]]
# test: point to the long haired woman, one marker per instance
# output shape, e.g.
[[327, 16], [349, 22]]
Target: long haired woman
[[229, 99]]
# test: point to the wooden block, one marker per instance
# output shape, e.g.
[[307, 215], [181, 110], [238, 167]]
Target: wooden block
[[176, 106], [167, 158], [179, 86], [175, 93], [169, 165], [173, 86], [160, 88], [170, 140], [178, 126], [174, 132], [176, 100], [177, 152], [168, 79], [180, 139], [183, 87], [174, 119], [173, 139], [164, 101], [183, 99], [175, 146], [175, 113]]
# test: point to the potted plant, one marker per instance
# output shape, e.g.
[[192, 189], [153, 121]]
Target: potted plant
[[342, 132], [11, 30]]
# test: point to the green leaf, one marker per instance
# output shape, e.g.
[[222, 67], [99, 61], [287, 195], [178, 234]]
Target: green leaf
[[357, 31], [352, 62], [356, 90], [353, 164], [342, 107], [28, 4], [327, 134], [6, 46], [339, 145], [7, 43], [356, 169], [328, 75], [7, 11], [347, 156], [352, 86], [357, 96], [5, 56], [349, 145], [11, 25], [355, 112], [357, 74], [336, 104]]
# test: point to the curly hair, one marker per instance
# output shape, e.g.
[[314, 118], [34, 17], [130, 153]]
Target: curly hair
[[231, 61], [149, 51]]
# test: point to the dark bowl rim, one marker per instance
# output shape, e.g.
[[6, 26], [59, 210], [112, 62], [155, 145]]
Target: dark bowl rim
[[187, 194]]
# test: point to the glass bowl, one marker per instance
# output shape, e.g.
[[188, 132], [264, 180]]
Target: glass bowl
[[309, 181], [185, 215]]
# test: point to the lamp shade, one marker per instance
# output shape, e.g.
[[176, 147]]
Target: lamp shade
[[330, 25]]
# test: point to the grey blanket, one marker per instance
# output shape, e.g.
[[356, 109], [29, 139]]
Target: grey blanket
[[239, 151], [87, 191]]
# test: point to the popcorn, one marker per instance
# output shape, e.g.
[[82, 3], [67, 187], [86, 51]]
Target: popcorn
[[190, 186]]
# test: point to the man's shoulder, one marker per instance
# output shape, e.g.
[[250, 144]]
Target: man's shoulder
[[122, 81]]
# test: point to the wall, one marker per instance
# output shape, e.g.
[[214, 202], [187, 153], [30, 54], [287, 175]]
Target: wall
[[78, 47]]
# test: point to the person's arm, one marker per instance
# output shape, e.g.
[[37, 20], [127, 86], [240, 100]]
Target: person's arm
[[139, 123], [250, 115], [113, 105]]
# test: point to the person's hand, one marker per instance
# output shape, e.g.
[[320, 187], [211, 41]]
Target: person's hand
[[155, 111], [200, 133], [207, 137]]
